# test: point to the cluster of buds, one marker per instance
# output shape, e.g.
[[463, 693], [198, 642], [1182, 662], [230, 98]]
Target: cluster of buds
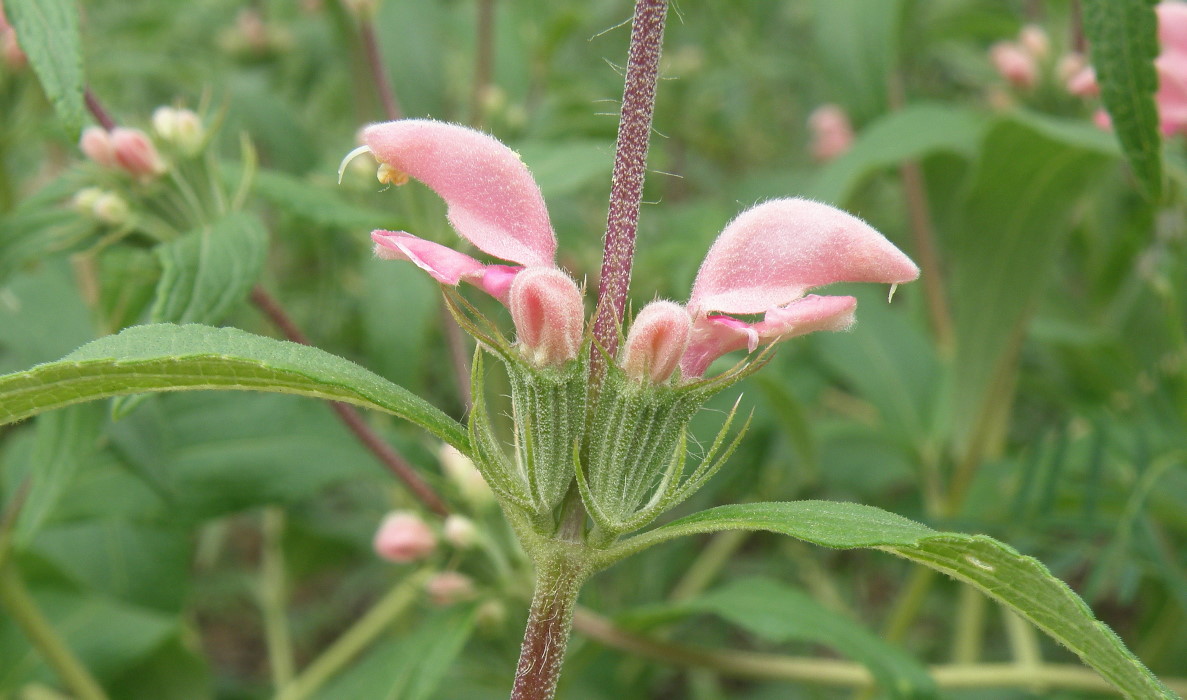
[[1171, 65], [104, 206], [1019, 62], [123, 149], [10, 50], [621, 447], [831, 131], [180, 129]]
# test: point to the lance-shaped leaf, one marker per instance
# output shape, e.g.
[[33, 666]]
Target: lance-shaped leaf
[[1020, 582], [165, 357]]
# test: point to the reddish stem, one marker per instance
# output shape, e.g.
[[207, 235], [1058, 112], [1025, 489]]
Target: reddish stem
[[97, 111], [550, 621], [484, 59], [383, 83], [630, 168]]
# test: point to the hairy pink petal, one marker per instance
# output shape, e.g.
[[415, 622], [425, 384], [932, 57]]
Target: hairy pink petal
[[444, 264], [493, 200], [549, 315], [772, 254], [714, 336], [656, 342]]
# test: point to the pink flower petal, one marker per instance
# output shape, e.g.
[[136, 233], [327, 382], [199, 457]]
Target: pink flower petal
[[656, 342], [712, 337], [772, 254], [1172, 91], [493, 200], [444, 264], [549, 315], [1172, 25]]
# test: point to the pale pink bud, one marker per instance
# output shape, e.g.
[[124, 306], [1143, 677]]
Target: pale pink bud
[[449, 587], [1014, 64], [460, 531], [1069, 65], [180, 127], [1033, 39], [403, 537], [549, 315], [832, 134], [135, 152], [95, 144], [656, 342], [1083, 83]]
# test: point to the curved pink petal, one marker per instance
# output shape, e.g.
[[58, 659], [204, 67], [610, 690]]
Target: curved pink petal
[[493, 200], [772, 254], [444, 264], [714, 336]]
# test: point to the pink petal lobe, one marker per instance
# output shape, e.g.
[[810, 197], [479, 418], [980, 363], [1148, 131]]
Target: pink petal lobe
[[712, 337], [771, 254], [444, 264], [493, 200]]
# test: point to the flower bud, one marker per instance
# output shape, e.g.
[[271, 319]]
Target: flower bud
[[460, 531], [95, 144], [14, 57], [549, 315], [1083, 83], [832, 134], [110, 208], [84, 200], [449, 587], [1014, 64], [656, 342], [403, 537], [1033, 39], [465, 476], [180, 127], [135, 153]]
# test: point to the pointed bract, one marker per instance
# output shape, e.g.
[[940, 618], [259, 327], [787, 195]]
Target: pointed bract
[[493, 200], [774, 253]]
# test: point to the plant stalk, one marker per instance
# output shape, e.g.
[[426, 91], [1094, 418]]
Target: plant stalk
[[630, 169], [550, 619]]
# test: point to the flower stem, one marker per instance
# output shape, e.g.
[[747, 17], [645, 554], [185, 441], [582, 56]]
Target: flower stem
[[550, 619], [274, 597], [630, 168], [17, 601]]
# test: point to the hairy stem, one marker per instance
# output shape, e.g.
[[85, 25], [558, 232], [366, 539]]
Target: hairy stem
[[558, 583], [386, 454], [630, 169], [19, 604]]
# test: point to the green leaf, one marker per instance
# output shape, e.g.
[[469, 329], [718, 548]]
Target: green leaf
[[205, 273], [778, 613], [49, 35], [166, 357], [1019, 582], [910, 133], [64, 440], [857, 43], [563, 167], [314, 203], [1123, 35], [411, 667]]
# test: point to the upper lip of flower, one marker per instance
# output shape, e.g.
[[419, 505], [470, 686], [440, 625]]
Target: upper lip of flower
[[764, 261]]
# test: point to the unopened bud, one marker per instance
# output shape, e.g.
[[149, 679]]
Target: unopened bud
[[180, 127], [491, 614], [1014, 64], [832, 134], [1033, 39], [549, 315], [1083, 83], [449, 587], [135, 153], [465, 476], [110, 208], [403, 537], [460, 531], [95, 144], [656, 342]]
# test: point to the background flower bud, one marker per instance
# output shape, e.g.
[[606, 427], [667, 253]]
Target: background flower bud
[[832, 134], [110, 208], [95, 143], [460, 531], [403, 537], [1033, 39], [549, 315], [465, 476], [181, 128], [656, 342], [1014, 64], [135, 153], [449, 587]]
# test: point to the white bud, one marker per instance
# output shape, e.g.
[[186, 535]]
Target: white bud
[[460, 531], [465, 476]]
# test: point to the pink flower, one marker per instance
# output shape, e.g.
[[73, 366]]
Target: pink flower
[[1015, 64], [832, 134], [403, 537], [764, 262]]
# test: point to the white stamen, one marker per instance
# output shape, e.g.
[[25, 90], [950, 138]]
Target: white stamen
[[890, 296], [349, 157]]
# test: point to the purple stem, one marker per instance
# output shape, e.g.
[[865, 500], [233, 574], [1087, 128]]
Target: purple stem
[[630, 168]]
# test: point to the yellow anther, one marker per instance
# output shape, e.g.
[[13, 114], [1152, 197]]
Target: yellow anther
[[388, 175]]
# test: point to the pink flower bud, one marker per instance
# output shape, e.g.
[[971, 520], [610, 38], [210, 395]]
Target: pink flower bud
[[449, 587], [1014, 64], [95, 144], [1083, 83], [461, 471], [656, 342], [549, 315], [1033, 39], [135, 153], [403, 537], [832, 134], [1069, 65]]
